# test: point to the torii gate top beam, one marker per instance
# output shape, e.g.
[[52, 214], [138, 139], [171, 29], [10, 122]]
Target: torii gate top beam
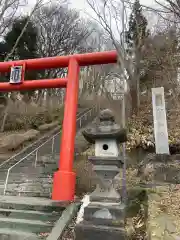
[[62, 61]]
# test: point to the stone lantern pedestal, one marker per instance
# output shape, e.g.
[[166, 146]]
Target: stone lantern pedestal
[[104, 217]]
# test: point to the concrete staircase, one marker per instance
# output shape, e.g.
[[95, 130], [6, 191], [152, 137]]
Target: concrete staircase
[[26, 180], [28, 217], [26, 211], [30, 179]]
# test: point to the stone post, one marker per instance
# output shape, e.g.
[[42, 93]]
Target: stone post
[[104, 217]]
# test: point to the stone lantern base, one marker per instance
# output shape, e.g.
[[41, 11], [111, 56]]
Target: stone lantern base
[[87, 231], [104, 217], [102, 221]]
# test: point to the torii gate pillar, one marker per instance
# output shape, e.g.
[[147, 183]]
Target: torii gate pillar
[[65, 178]]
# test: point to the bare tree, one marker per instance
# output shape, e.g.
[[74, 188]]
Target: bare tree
[[110, 16], [161, 60], [8, 10], [13, 4], [61, 32], [93, 78], [35, 8], [170, 7]]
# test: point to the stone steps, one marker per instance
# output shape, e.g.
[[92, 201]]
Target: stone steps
[[29, 181], [31, 203], [16, 176], [24, 178], [34, 226], [28, 167], [26, 212], [28, 193], [28, 217], [12, 234], [36, 179], [33, 188], [29, 160]]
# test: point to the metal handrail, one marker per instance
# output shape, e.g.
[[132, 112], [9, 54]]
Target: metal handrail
[[35, 150], [17, 154]]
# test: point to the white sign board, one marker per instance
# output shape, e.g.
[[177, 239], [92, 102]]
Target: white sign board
[[160, 121], [16, 75]]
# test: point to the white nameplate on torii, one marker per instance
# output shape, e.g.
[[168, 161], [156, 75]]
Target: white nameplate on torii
[[160, 121], [16, 74]]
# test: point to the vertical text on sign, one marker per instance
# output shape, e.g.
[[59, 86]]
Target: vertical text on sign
[[160, 121], [16, 74]]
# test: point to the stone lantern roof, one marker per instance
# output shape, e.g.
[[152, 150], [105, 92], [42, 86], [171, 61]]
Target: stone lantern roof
[[106, 129]]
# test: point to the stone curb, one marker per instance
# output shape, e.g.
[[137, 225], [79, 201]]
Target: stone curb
[[63, 222]]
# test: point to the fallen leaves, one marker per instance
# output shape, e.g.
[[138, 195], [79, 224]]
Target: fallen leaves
[[43, 234], [164, 213]]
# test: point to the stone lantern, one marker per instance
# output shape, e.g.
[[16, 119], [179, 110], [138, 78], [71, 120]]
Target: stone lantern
[[104, 216]]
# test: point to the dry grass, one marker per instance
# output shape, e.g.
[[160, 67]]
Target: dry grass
[[85, 181], [25, 116], [164, 212]]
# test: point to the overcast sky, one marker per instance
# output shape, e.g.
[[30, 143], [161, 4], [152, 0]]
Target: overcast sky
[[82, 5], [84, 8]]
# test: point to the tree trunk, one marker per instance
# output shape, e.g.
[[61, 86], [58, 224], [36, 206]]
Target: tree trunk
[[135, 84], [134, 99], [5, 116]]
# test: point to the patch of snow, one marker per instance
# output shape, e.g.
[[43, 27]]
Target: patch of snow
[[103, 213], [85, 202]]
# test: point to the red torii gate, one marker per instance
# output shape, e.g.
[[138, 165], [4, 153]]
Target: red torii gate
[[64, 178]]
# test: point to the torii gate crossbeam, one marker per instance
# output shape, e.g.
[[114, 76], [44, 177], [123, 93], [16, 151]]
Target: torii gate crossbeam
[[64, 178]]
